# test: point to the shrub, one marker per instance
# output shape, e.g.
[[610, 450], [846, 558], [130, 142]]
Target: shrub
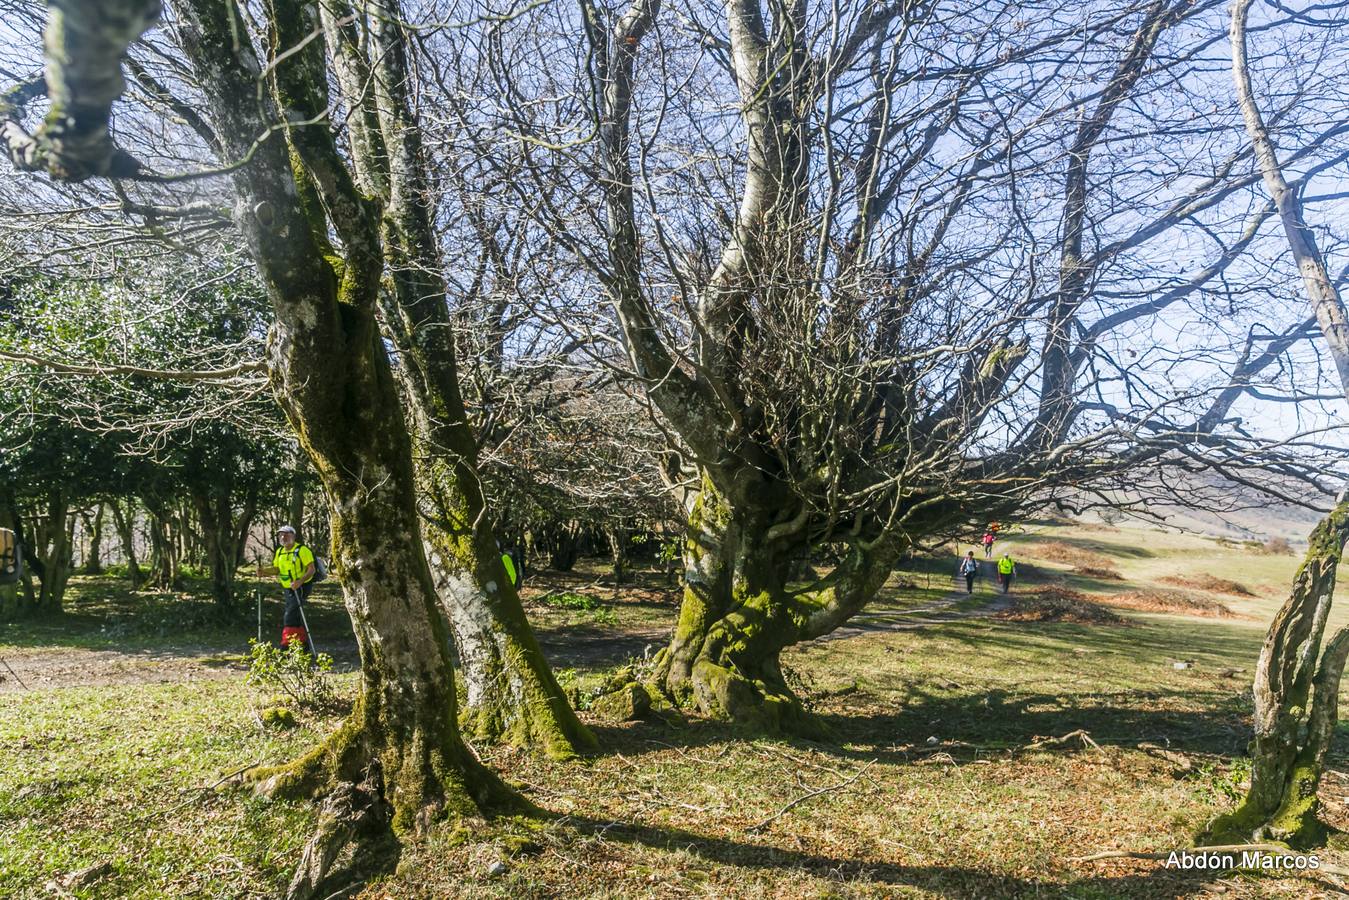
[[1278, 547], [278, 717], [1062, 552], [570, 600], [1180, 602], [1101, 572], [1209, 583], [1058, 604], [293, 673]]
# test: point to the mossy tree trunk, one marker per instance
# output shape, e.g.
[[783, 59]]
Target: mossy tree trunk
[[1296, 683], [739, 611], [331, 373], [1296, 704], [512, 695]]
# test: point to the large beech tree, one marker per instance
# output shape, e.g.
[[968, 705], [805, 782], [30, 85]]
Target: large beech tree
[[1297, 678], [319, 243], [873, 264], [364, 189]]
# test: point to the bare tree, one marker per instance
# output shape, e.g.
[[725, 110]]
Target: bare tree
[[824, 231], [319, 244], [1297, 683]]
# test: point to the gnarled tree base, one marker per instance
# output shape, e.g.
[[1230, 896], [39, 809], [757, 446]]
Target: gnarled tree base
[[1295, 821], [760, 703], [541, 722], [378, 786], [356, 816], [425, 781]]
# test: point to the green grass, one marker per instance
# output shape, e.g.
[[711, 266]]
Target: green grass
[[950, 801], [117, 775]]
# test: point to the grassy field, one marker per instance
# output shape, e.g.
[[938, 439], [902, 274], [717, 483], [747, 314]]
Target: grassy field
[[944, 778]]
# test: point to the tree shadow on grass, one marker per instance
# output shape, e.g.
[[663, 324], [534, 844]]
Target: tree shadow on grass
[[954, 880], [1159, 641], [108, 635], [587, 646], [1204, 713], [999, 720]]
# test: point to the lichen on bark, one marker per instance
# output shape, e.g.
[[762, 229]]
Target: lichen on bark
[[1296, 695], [740, 611]]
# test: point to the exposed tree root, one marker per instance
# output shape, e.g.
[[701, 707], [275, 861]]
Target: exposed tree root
[[356, 816], [340, 757]]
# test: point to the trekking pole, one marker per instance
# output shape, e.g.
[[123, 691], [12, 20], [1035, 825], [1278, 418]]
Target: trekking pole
[[257, 597], [14, 674], [299, 601]]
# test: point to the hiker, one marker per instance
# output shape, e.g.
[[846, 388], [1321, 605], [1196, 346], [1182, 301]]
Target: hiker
[[293, 564], [1006, 571], [989, 538], [513, 561], [969, 567], [11, 557]]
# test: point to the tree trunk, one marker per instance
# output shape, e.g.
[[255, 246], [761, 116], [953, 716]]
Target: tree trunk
[[405, 715], [562, 541], [125, 523], [512, 694], [724, 656], [737, 615], [217, 526], [617, 536], [165, 564], [1296, 698], [295, 505], [1296, 695], [245, 524], [93, 560], [50, 554]]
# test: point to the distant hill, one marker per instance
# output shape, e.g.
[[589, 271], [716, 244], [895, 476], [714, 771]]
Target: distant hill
[[1219, 509]]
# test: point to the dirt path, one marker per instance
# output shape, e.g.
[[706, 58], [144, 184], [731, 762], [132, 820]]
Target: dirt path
[[876, 619], [49, 668], [58, 667]]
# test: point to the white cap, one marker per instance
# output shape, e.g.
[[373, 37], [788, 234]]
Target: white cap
[[289, 528]]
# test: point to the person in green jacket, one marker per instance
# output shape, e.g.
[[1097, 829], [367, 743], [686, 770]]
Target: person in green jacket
[[1006, 571]]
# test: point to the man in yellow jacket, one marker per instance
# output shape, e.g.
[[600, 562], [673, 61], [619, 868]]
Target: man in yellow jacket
[[1006, 571], [293, 564]]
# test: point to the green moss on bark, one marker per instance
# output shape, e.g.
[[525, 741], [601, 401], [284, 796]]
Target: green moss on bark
[[516, 698]]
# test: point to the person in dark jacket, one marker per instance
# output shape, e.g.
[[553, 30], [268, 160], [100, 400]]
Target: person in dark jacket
[[969, 567]]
